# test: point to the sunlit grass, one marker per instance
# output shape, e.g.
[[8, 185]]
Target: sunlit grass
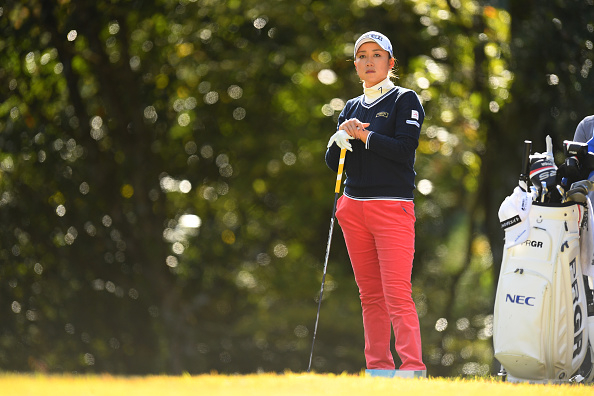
[[269, 384]]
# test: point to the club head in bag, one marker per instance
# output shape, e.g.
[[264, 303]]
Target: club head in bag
[[579, 191]]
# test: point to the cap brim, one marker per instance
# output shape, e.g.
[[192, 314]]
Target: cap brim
[[360, 43], [369, 40]]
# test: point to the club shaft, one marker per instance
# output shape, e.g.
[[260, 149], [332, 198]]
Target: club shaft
[[328, 244], [323, 279]]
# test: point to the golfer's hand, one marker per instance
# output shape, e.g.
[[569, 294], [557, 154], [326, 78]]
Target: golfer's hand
[[356, 128], [341, 138]]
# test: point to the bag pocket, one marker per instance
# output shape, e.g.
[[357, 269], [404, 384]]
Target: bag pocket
[[520, 331]]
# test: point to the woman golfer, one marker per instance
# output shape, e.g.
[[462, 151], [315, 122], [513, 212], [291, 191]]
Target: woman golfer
[[381, 128]]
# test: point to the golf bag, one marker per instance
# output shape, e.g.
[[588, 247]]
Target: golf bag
[[540, 329], [543, 320]]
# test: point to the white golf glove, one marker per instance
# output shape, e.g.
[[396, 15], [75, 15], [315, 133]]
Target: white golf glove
[[342, 140]]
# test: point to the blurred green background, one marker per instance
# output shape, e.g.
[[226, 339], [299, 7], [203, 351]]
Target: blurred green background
[[164, 200]]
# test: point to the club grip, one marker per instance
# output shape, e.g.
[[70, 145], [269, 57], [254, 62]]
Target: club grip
[[339, 173], [525, 174]]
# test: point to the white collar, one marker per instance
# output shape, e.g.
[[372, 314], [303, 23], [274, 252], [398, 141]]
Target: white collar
[[379, 89]]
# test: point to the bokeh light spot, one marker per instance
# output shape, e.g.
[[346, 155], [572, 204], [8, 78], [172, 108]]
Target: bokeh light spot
[[127, 191], [228, 237]]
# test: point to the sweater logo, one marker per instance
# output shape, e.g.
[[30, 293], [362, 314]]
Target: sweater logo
[[414, 115], [382, 114]]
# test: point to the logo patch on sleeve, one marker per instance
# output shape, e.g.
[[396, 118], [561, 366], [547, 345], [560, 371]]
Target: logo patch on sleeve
[[414, 115]]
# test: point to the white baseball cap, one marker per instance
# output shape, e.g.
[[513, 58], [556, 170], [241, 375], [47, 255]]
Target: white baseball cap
[[377, 37], [513, 215]]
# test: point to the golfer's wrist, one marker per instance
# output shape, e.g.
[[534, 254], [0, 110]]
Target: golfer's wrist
[[363, 135]]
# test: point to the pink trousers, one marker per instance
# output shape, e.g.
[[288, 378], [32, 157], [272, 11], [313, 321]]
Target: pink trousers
[[380, 239]]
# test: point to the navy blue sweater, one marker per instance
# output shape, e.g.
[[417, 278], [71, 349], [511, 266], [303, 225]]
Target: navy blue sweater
[[384, 167]]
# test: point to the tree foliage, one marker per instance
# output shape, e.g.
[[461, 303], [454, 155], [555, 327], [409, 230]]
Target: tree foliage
[[164, 199]]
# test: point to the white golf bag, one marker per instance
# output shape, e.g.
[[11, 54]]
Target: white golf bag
[[541, 329]]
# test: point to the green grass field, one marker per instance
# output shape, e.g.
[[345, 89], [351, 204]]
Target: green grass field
[[270, 385]]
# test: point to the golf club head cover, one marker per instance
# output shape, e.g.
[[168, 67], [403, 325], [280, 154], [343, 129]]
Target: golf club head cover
[[569, 172], [542, 168]]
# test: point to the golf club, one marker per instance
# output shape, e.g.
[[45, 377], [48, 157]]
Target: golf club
[[525, 174], [336, 191], [562, 193], [545, 191]]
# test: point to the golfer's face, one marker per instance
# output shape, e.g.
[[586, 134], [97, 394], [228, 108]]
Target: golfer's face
[[373, 63]]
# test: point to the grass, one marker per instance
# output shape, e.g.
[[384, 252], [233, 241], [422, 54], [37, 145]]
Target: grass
[[269, 385]]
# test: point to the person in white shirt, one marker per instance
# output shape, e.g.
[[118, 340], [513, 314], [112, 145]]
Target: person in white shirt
[[584, 130]]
